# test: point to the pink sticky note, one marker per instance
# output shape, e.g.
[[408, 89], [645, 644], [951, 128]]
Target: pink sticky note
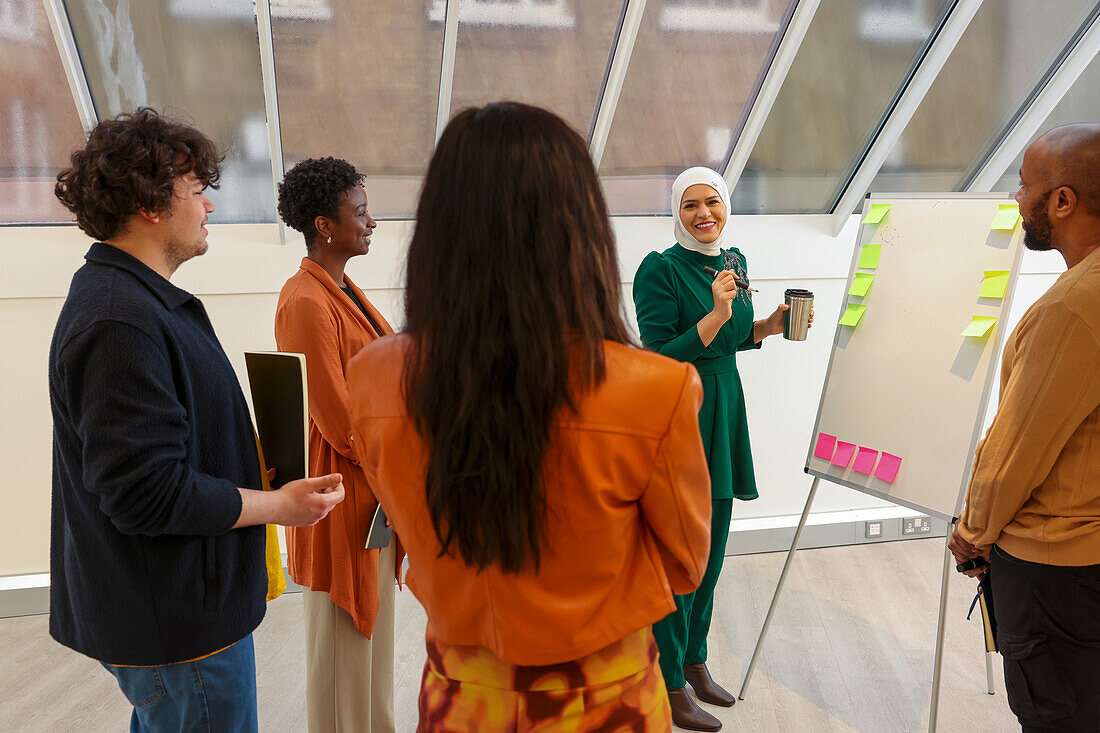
[[888, 467], [865, 461], [844, 452], [825, 446]]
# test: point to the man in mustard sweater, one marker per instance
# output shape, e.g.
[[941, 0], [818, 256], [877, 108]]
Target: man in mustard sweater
[[1033, 505]]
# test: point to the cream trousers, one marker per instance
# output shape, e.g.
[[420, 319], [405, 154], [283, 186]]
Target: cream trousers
[[349, 678]]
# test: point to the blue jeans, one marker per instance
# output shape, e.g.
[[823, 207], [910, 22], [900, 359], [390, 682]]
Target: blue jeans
[[214, 694]]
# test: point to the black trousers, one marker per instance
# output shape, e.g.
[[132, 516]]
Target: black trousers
[[1048, 631]]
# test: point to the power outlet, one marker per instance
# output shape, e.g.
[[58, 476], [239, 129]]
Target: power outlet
[[916, 525], [872, 530]]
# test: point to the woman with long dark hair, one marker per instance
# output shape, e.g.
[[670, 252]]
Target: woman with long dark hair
[[546, 478]]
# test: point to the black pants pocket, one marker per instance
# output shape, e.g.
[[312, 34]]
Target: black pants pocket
[[1037, 692]]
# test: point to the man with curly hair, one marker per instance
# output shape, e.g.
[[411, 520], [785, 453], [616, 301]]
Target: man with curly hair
[[347, 589], [157, 531]]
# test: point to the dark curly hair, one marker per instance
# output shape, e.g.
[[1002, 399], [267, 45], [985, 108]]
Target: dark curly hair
[[315, 187], [131, 163]]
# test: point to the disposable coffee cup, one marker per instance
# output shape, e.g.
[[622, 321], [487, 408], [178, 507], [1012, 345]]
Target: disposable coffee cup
[[796, 321]]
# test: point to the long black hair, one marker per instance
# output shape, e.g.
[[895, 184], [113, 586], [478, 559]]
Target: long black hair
[[512, 287]]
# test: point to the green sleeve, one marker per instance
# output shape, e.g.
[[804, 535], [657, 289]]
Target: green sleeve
[[658, 312], [748, 344]]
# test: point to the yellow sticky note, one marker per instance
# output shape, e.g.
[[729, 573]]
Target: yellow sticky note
[[1007, 216], [874, 216], [979, 326], [853, 315], [868, 258], [862, 284], [995, 284]]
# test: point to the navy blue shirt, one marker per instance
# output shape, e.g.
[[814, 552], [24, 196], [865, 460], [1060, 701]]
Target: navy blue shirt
[[152, 437]]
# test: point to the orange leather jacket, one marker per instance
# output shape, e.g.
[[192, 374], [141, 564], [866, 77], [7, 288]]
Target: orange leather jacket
[[315, 318], [628, 511]]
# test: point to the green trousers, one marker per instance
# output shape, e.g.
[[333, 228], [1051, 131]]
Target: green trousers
[[682, 635]]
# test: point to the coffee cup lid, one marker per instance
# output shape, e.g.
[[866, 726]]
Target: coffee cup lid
[[798, 293]]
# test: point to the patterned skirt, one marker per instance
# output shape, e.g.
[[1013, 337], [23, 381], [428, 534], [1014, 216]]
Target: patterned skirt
[[618, 688]]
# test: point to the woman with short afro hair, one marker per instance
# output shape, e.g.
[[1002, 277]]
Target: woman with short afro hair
[[347, 590]]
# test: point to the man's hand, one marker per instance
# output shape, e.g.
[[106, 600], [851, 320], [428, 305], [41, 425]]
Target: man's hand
[[300, 503], [309, 500], [961, 548], [979, 571]]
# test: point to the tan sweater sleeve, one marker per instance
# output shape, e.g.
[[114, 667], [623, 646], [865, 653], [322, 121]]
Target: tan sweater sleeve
[[1051, 389]]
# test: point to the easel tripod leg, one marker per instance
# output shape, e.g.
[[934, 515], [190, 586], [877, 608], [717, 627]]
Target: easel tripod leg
[[948, 561], [779, 588], [989, 670]]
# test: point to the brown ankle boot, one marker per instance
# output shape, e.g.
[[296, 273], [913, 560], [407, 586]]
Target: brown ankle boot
[[688, 715], [706, 689]]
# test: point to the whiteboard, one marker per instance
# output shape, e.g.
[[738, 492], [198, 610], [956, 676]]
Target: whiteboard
[[905, 381]]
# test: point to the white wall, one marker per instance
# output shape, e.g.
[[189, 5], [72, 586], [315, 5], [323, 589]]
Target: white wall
[[239, 280]]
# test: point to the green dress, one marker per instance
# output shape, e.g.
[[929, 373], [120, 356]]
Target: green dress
[[671, 296]]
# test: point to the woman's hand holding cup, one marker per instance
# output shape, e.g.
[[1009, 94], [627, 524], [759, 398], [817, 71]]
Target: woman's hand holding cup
[[773, 324]]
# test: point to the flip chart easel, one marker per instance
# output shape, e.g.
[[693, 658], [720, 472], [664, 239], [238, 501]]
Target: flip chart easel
[[913, 361]]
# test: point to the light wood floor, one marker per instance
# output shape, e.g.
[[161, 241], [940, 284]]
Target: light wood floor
[[850, 649]]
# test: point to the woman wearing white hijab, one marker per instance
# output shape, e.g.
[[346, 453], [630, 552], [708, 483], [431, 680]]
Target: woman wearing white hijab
[[687, 314]]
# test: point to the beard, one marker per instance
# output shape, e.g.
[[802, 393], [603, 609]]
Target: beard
[[1037, 226], [177, 252]]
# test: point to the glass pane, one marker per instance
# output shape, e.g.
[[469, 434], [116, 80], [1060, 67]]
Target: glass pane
[[854, 58], [552, 53], [1080, 104], [39, 125], [1007, 49], [694, 67], [197, 61], [359, 80]]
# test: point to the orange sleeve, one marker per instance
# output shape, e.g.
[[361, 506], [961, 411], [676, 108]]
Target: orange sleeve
[[304, 326], [676, 501]]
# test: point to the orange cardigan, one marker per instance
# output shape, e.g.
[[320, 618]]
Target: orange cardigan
[[314, 317], [628, 511]]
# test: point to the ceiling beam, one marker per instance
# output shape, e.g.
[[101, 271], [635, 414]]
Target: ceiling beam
[[447, 68], [271, 100], [905, 105], [776, 74], [1079, 53], [72, 63], [629, 24]]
